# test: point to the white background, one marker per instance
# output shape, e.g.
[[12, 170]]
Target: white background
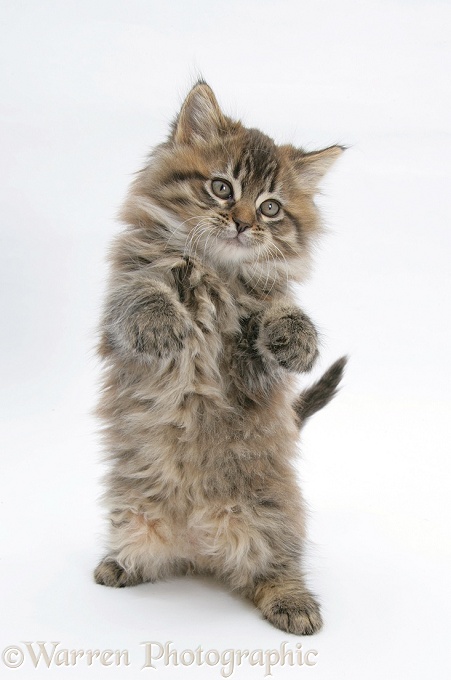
[[87, 87]]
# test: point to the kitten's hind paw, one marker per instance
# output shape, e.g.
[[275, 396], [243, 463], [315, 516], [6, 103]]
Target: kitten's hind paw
[[301, 616], [289, 606], [110, 573]]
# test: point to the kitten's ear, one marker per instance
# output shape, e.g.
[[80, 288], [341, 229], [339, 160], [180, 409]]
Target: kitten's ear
[[200, 116], [312, 166]]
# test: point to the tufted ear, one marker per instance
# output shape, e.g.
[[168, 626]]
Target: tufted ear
[[200, 116], [312, 166]]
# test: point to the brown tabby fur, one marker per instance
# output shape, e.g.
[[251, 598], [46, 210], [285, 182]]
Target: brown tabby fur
[[201, 338]]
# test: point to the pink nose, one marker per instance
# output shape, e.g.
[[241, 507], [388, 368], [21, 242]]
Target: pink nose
[[240, 225]]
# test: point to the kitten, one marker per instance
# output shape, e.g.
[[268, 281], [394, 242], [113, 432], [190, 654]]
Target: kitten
[[201, 339]]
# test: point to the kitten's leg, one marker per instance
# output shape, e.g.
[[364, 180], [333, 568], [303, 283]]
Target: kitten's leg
[[277, 584], [288, 335], [256, 548], [286, 603], [141, 548]]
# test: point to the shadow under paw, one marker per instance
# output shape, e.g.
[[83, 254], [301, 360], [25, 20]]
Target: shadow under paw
[[110, 573]]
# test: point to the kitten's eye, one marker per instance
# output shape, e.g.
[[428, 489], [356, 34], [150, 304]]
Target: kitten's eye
[[270, 208], [222, 189]]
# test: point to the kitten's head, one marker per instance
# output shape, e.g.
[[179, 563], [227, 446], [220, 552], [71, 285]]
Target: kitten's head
[[228, 194]]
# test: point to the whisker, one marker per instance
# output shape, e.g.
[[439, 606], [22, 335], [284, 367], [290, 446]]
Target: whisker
[[179, 226], [284, 262], [213, 232], [197, 233]]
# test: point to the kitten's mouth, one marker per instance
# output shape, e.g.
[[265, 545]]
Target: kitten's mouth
[[237, 240], [236, 246]]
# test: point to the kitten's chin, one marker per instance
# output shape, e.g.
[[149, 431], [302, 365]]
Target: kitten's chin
[[230, 250]]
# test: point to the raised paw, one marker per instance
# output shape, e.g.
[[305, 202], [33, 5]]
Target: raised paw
[[158, 327], [291, 338], [110, 573]]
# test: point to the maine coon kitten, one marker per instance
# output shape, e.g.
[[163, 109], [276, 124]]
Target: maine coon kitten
[[201, 338]]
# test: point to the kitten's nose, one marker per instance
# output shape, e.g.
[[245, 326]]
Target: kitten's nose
[[240, 225]]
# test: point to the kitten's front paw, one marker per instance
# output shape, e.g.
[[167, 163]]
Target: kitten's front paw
[[110, 573], [299, 615], [291, 338], [158, 327]]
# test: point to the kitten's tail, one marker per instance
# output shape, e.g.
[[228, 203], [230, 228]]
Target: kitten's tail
[[321, 392]]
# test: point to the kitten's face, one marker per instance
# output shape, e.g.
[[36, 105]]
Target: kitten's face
[[236, 199], [230, 195]]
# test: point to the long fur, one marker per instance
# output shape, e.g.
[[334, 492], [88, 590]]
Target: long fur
[[321, 392], [201, 338]]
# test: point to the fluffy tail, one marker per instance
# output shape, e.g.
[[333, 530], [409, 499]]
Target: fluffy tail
[[321, 392]]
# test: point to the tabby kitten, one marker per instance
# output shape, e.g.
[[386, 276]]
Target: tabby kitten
[[201, 339]]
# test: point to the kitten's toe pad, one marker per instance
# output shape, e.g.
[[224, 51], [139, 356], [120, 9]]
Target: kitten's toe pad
[[110, 573]]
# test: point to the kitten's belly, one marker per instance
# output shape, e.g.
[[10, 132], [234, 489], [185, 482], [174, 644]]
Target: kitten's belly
[[219, 464], [199, 452], [214, 504]]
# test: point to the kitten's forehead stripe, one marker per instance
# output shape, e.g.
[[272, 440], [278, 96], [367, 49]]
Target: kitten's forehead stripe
[[257, 167], [180, 176], [269, 175], [247, 170], [273, 182], [255, 170], [237, 168]]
